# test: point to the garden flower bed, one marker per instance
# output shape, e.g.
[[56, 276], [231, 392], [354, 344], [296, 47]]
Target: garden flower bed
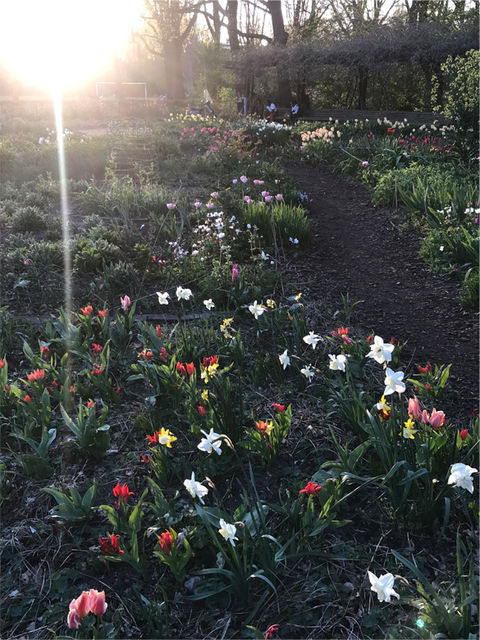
[[198, 444]]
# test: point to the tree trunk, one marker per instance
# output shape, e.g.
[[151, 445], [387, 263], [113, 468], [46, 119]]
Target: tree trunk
[[280, 37], [362, 87], [173, 65], [232, 11]]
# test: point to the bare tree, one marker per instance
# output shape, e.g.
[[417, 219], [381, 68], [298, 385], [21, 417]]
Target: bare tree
[[169, 24]]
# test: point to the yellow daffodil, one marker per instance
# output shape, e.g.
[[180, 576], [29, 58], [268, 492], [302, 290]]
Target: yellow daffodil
[[298, 296], [166, 437], [209, 372], [382, 405], [224, 327], [408, 431], [270, 303], [205, 395]]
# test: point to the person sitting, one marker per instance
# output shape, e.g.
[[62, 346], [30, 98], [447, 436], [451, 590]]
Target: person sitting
[[271, 111], [294, 111]]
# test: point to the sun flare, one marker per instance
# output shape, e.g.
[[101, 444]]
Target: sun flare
[[56, 44]]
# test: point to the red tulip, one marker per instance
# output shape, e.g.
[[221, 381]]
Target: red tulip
[[311, 489], [166, 541], [122, 493]]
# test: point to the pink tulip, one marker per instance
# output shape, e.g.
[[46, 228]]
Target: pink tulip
[[268, 198], [82, 604], [414, 410], [279, 197], [125, 302], [99, 605], [425, 417], [171, 206], [364, 163], [73, 619], [265, 193], [437, 419], [234, 272]]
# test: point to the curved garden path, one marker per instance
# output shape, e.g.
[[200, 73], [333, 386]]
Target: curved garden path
[[370, 253]]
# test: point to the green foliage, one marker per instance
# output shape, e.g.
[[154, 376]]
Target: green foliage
[[460, 99], [91, 432], [72, 508], [278, 223]]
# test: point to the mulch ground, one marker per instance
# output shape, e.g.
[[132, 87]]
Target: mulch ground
[[370, 253]]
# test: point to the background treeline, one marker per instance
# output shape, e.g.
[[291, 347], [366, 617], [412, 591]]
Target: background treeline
[[366, 54]]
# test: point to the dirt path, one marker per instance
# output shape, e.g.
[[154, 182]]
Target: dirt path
[[361, 249]]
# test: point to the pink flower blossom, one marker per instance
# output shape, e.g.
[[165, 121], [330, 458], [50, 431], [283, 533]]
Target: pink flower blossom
[[414, 410], [279, 197], [171, 206], [234, 272], [244, 179], [437, 419], [125, 302], [268, 198], [364, 163]]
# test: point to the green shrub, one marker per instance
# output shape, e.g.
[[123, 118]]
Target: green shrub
[[469, 294], [28, 219], [92, 255], [279, 222]]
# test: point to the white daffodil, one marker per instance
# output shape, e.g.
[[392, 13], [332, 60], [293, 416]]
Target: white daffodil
[[209, 304], [256, 309], [307, 372], [284, 359], [337, 363], [163, 297], [195, 489], [380, 351], [393, 382], [461, 476], [211, 442], [183, 294], [312, 339], [383, 586], [228, 531]]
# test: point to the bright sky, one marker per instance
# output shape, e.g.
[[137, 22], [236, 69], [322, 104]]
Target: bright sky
[[59, 43]]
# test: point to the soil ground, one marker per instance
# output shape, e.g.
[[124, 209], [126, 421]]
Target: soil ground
[[370, 253]]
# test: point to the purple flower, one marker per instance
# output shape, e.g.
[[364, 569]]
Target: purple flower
[[364, 163], [476, 220], [234, 272], [244, 179]]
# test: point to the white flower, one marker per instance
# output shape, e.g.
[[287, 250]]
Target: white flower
[[337, 363], [393, 382], [460, 476], [284, 359], [264, 255], [183, 294], [195, 489], [383, 586], [307, 372], [312, 339], [256, 309], [210, 442], [162, 297], [209, 304], [228, 531], [380, 351], [293, 240]]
